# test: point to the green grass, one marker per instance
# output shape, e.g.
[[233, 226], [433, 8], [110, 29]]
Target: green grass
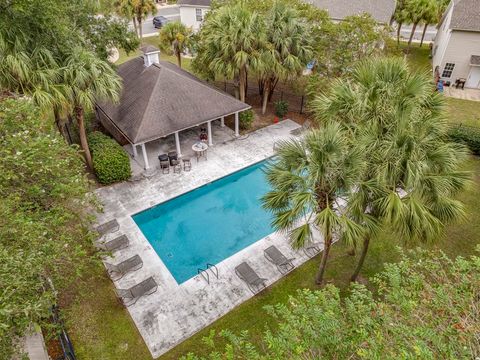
[[464, 111], [417, 57], [102, 329], [153, 40]]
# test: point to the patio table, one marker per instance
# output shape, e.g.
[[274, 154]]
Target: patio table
[[200, 149]]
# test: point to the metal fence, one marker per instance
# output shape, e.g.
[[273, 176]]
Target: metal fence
[[63, 338], [296, 103]]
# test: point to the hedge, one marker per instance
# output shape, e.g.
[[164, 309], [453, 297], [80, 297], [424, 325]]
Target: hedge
[[246, 119], [110, 161], [468, 135]]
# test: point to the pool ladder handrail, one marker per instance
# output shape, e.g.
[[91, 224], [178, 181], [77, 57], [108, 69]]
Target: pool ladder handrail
[[204, 272]]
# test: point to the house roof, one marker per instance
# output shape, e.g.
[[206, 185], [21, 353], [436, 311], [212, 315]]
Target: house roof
[[475, 60], [380, 10], [466, 15], [194, 2], [161, 99]]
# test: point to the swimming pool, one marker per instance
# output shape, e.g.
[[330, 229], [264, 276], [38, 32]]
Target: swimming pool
[[208, 224]]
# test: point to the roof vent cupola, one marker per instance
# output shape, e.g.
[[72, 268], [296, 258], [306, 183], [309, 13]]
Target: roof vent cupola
[[150, 55]]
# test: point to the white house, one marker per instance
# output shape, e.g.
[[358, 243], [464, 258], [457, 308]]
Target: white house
[[192, 12], [456, 49]]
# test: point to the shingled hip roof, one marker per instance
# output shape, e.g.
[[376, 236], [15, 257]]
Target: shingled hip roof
[[162, 99], [466, 15], [380, 10]]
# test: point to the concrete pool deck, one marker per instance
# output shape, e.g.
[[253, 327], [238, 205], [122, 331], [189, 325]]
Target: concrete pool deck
[[175, 312]]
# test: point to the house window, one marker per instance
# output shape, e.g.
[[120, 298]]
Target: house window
[[447, 70], [198, 14]]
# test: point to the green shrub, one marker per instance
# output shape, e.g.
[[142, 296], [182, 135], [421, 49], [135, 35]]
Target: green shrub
[[246, 119], [281, 108], [468, 135], [110, 161]]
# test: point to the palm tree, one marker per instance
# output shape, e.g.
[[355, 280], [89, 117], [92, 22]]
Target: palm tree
[[413, 171], [418, 11], [141, 9], [307, 180], [176, 36], [400, 17], [126, 9], [32, 72], [288, 50], [231, 43], [88, 79]]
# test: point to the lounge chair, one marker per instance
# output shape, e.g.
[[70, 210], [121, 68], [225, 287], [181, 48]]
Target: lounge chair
[[130, 296], [312, 249], [118, 271], [247, 274], [108, 227], [274, 255], [118, 243]]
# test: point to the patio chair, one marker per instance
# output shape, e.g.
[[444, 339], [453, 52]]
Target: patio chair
[[187, 164], [130, 296], [177, 167], [120, 242], [274, 255], [250, 277], [108, 227], [165, 166], [312, 250], [172, 156], [118, 271]]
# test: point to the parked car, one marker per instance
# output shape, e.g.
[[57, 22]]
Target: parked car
[[159, 21]]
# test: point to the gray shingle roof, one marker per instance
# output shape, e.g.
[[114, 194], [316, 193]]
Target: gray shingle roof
[[381, 10], [466, 15], [194, 2], [475, 60], [161, 99], [148, 49]]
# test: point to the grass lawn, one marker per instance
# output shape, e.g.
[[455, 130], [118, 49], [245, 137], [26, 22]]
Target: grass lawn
[[101, 328], [464, 111], [153, 40]]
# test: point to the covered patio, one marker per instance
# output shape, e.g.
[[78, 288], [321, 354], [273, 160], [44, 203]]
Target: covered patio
[[220, 134], [162, 109]]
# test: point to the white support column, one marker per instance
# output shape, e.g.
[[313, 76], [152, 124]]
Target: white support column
[[177, 144], [222, 121], [134, 148], [237, 125], [209, 129], [145, 157]]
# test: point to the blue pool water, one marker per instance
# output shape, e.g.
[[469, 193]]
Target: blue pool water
[[208, 224]]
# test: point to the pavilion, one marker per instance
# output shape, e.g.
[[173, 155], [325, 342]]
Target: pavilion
[[159, 99]]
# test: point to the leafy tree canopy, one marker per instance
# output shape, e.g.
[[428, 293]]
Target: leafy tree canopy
[[44, 227], [60, 25], [426, 308]]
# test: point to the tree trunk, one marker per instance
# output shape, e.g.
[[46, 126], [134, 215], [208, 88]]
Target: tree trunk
[[412, 33], [179, 58], [79, 114], [399, 28], [323, 262], [363, 254], [135, 25], [273, 85], [140, 29], [423, 34], [266, 95], [242, 84], [58, 122]]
